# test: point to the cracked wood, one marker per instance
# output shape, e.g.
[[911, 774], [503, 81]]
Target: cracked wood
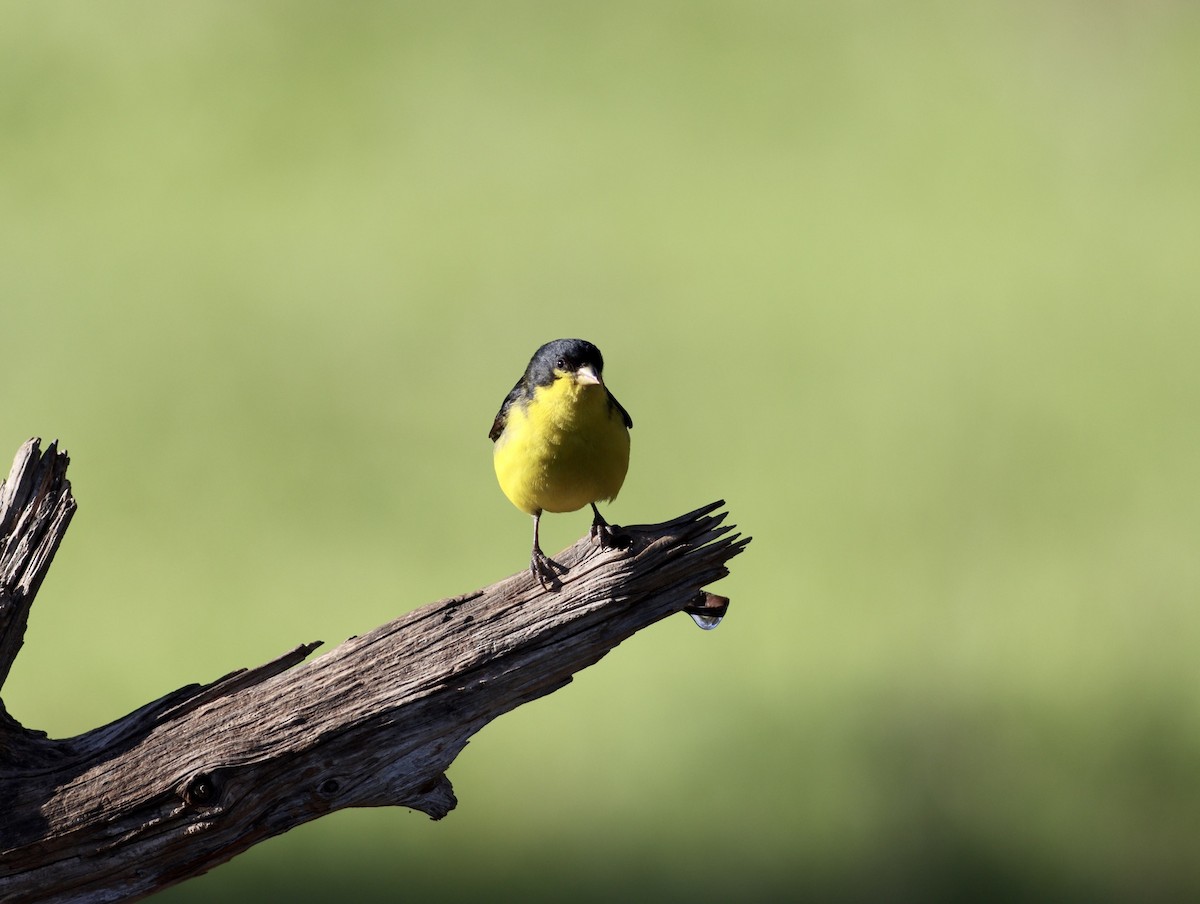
[[194, 778]]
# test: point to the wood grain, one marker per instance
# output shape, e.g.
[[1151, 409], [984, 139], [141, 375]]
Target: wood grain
[[194, 778]]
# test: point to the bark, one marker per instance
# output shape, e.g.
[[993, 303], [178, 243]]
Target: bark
[[194, 778]]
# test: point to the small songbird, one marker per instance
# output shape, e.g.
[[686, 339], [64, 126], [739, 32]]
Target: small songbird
[[562, 442]]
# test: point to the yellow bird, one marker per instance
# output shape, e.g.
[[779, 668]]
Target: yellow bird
[[562, 442]]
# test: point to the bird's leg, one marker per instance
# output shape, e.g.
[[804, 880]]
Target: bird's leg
[[541, 565], [605, 535]]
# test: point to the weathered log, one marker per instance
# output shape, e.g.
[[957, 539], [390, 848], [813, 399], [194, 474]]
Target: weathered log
[[194, 778]]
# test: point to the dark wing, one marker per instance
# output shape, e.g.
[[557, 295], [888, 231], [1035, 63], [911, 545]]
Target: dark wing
[[612, 400], [518, 392]]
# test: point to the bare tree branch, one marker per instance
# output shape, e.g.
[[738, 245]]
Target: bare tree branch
[[194, 778], [35, 508]]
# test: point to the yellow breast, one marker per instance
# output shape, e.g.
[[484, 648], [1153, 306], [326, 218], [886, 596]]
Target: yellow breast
[[564, 448]]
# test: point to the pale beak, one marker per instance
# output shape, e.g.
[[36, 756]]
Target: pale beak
[[586, 375]]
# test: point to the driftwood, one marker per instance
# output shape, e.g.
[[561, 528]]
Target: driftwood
[[194, 778]]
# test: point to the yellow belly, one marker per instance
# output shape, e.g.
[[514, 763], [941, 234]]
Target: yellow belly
[[565, 448]]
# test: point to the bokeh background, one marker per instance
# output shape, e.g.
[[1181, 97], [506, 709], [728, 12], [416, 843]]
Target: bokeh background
[[914, 286]]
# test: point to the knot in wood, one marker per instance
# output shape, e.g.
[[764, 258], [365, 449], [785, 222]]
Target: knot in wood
[[201, 791]]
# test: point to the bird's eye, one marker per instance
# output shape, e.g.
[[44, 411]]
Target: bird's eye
[[561, 363]]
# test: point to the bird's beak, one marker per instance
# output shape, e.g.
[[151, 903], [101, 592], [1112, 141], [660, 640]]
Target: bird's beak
[[586, 375]]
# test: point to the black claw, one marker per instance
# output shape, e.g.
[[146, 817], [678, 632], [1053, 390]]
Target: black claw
[[545, 570], [608, 536]]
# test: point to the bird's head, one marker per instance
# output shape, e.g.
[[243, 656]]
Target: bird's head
[[574, 359]]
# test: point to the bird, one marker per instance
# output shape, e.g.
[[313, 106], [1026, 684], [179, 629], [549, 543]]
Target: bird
[[562, 442]]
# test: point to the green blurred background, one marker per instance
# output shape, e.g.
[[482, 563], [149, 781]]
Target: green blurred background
[[913, 286]]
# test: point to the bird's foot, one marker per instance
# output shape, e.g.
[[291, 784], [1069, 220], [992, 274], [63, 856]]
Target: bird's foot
[[609, 536], [545, 570]]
